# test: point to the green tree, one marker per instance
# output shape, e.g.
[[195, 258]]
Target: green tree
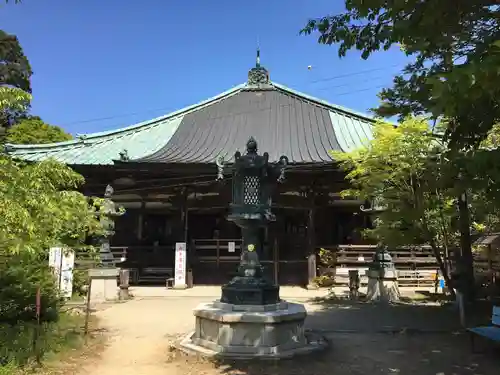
[[15, 75], [41, 207], [15, 69], [32, 130], [12, 100], [455, 44], [406, 171], [402, 171]]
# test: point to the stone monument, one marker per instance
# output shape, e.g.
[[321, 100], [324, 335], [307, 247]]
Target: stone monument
[[250, 320], [104, 276], [382, 278]]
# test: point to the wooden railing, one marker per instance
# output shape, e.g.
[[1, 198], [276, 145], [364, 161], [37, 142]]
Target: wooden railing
[[85, 260], [416, 265], [405, 257], [215, 250]]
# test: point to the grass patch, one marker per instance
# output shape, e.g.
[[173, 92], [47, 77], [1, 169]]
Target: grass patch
[[58, 342]]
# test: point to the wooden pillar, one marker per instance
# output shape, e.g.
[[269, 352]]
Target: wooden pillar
[[466, 258], [311, 254], [276, 261], [140, 220], [186, 217], [183, 200]]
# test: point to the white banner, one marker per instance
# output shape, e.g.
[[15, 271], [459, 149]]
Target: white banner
[[180, 264], [67, 265], [62, 263], [55, 258]]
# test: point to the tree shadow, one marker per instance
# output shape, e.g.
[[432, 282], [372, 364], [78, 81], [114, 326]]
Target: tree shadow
[[373, 338]]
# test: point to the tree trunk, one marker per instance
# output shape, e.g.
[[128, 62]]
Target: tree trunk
[[466, 257], [442, 267]]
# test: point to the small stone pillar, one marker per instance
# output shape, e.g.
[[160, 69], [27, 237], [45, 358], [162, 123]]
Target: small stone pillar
[[311, 272], [124, 284], [103, 286], [382, 278], [354, 284]]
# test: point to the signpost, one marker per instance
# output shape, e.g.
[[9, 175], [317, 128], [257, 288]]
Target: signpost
[[55, 259], [67, 265], [38, 309], [231, 247], [62, 262], [180, 266]]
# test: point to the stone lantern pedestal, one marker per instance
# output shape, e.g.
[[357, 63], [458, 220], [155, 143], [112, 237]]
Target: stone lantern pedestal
[[104, 287], [251, 331], [382, 278]]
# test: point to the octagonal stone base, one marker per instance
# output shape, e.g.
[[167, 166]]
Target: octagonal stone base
[[254, 331]]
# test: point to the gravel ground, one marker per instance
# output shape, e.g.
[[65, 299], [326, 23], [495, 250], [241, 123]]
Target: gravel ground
[[365, 339]]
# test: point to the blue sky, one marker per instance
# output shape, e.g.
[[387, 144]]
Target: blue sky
[[104, 64]]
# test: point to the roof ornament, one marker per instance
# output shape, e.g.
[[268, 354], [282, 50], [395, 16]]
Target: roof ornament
[[82, 138], [219, 161], [8, 148], [258, 75], [124, 155]]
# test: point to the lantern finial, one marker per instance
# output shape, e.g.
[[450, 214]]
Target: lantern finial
[[251, 146]]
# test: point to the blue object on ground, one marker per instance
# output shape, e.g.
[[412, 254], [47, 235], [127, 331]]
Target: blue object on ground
[[489, 332]]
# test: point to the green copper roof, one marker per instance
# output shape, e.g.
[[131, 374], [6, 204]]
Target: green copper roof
[[102, 148], [284, 121]]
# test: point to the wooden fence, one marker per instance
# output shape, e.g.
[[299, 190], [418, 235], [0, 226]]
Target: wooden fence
[[416, 266]]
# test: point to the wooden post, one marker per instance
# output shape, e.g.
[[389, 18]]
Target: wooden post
[[353, 284], [38, 307], [124, 284], [184, 214], [311, 258], [87, 310], [140, 220], [276, 261], [467, 259], [217, 249]]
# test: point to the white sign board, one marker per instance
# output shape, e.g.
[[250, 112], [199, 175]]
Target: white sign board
[[67, 265], [62, 263], [180, 265], [55, 258], [231, 247]]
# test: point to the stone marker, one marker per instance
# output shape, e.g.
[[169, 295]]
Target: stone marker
[[104, 286]]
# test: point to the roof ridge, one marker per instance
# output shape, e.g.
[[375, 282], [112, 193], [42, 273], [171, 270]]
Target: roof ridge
[[329, 105], [90, 136]]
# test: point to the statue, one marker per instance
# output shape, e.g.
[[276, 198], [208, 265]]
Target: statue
[[253, 179]]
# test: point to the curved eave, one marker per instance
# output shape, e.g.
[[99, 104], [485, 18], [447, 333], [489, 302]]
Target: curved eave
[[102, 147]]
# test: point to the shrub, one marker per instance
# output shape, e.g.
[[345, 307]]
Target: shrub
[[16, 340], [20, 276], [80, 282]]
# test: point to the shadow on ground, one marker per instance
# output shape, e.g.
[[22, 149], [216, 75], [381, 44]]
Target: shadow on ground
[[367, 338]]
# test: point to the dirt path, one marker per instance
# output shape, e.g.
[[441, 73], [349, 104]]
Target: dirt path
[[140, 332]]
